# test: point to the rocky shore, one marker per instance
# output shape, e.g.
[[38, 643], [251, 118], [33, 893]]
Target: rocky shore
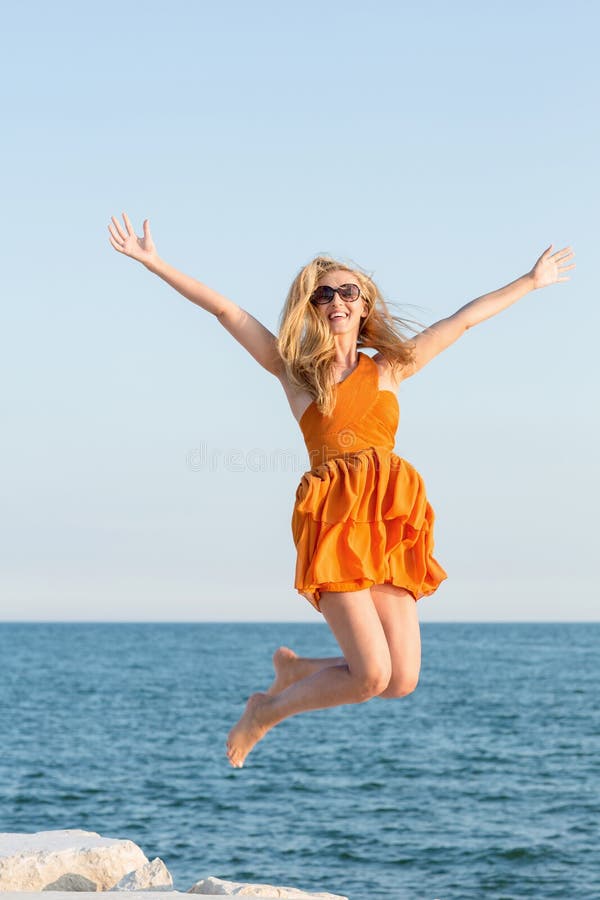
[[83, 861]]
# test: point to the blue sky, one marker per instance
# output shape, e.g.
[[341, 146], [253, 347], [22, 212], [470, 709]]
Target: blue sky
[[439, 146]]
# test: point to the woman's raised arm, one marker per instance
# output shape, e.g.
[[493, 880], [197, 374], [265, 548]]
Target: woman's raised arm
[[248, 331], [548, 269]]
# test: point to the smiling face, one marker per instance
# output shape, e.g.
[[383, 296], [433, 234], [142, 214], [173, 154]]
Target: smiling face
[[343, 316]]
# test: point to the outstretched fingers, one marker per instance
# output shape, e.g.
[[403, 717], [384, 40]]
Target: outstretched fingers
[[566, 253], [116, 244], [116, 239], [130, 230], [118, 229], [551, 266]]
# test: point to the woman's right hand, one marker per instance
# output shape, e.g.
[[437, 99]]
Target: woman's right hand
[[126, 241]]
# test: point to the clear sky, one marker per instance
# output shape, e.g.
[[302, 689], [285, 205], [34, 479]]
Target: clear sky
[[440, 146]]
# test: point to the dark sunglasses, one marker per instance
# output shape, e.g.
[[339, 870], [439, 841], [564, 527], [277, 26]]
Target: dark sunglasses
[[325, 294]]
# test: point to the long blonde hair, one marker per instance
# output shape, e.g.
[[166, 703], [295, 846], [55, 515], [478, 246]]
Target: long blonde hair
[[307, 346]]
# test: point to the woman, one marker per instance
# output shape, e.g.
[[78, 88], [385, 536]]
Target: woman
[[362, 524]]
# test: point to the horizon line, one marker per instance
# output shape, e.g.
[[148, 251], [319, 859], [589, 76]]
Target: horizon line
[[285, 622]]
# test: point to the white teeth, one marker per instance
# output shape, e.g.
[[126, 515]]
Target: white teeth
[[338, 316]]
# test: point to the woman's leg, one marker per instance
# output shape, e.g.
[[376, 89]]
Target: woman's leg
[[397, 611], [365, 673], [289, 667]]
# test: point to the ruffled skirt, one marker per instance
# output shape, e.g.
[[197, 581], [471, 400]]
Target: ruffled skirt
[[364, 519]]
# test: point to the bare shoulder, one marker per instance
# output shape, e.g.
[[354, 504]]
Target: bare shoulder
[[298, 399]]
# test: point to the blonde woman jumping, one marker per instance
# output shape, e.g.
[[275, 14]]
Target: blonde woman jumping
[[361, 523]]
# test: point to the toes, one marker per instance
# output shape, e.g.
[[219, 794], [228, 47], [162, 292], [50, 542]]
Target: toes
[[236, 763], [233, 756]]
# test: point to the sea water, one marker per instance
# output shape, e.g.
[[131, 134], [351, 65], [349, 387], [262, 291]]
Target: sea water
[[483, 783]]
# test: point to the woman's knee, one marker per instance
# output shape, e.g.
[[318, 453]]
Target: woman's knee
[[400, 686], [355, 623], [372, 681]]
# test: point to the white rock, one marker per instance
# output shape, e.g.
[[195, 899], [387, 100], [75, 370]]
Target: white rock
[[217, 887], [154, 876], [71, 882], [30, 862], [90, 895]]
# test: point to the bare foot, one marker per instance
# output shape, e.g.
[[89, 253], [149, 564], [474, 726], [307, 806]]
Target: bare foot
[[248, 731], [286, 671]]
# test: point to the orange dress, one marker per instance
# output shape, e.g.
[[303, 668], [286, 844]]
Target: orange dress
[[361, 516]]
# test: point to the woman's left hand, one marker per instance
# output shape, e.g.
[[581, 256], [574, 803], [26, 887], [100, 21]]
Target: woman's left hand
[[550, 268]]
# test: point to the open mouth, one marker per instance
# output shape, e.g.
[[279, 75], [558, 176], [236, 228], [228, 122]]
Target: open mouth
[[338, 315]]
